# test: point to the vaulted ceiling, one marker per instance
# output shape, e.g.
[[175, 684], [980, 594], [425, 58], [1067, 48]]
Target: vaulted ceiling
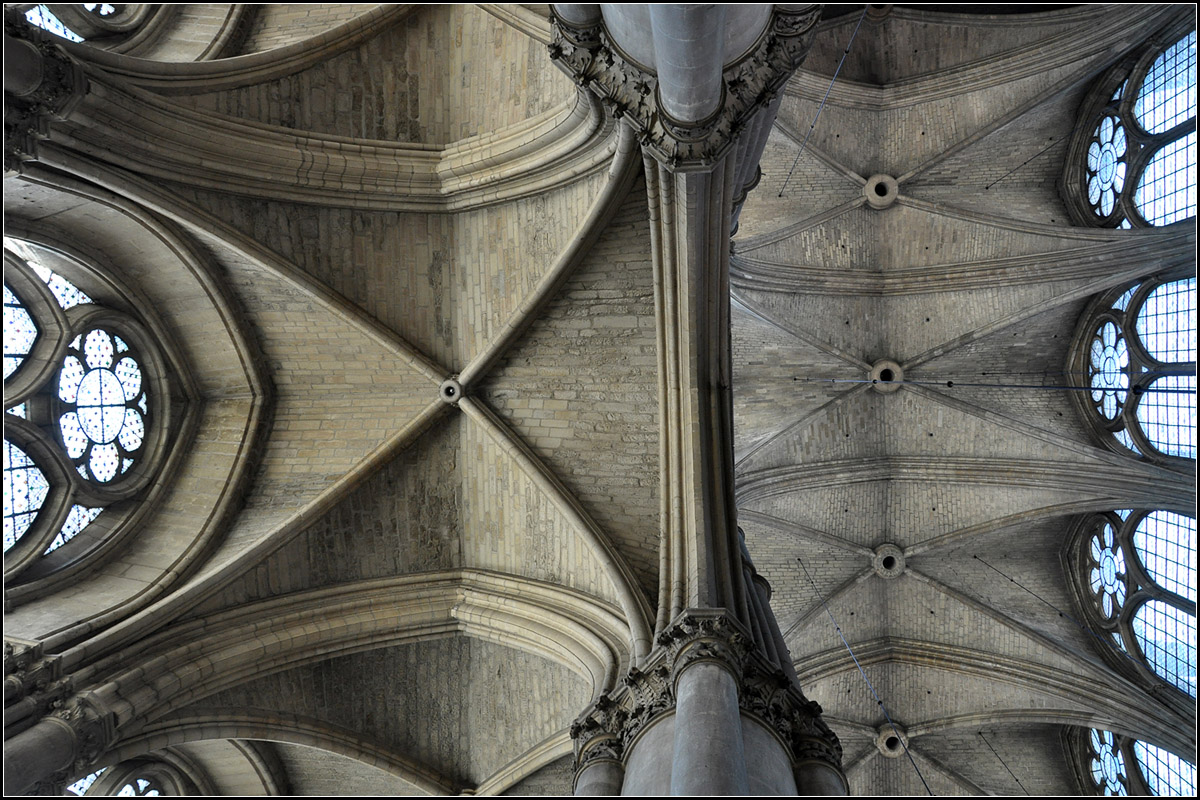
[[376, 199]]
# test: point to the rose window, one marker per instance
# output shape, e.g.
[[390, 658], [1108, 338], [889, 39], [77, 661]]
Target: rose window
[[1106, 165], [1108, 765], [88, 410], [1109, 358], [1132, 157], [101, 383], [1107, 577]]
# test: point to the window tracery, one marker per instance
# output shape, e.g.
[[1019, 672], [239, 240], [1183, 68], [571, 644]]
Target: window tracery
[[1139, 569], [1119, 766], [87, 400], [1132, 159], [1136, 350]]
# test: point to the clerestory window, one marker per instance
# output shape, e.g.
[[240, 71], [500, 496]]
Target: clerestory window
[[1132, 160], [1118, 766], [87, 411], [1136, 349]]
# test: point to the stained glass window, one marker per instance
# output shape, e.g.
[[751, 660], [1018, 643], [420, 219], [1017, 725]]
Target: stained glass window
[[1109, 380], [1167, 322], [105, 426], [43, 18], [1168, 94], [1166, 190], [80, 786], [1144, 610], [103, 399], [20, 332], [1166, 774], [1138, 143], [1108, 765], [1167, 414], [1144, 396], [1106, 165], [25, 490], [1166, 544], [1167, 637]]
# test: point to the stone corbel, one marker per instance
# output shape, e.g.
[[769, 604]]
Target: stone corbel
[[594, 61], [41, 83]]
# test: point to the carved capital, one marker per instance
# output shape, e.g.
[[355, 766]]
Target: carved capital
[[94, 730], [593, 61], [31, 674], [53, 95], [706, 636]]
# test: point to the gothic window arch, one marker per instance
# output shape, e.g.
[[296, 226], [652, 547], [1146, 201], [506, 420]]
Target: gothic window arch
[[1114, 765], [1138, 574], [88, 413], [1135, 350], [1132, 158], [1133, 575]]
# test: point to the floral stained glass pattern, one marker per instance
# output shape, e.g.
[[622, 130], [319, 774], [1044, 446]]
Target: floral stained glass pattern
[[106, 427], [1107, 577], [1106, 165], [1108, 765], [1109, 381]]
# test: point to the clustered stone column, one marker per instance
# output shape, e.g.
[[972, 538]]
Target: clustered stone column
[[49, 732], [707, 714], [690, 104]]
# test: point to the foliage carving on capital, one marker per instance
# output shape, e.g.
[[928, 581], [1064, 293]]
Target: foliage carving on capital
[[597, 732], [61, 87], [768, 693], [94, 730], [594, 62]]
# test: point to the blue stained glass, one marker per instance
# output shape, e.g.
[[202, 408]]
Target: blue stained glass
[[1108, 765], [44, 19], [20, 332], [25, 489], [1166, 544], [79, 518], [1123, 301], [1168, 418], [1167, 637], [1166, 191], [83, 784], [1168, 94], [1166, 323], [1124, 438], [1166, 773]]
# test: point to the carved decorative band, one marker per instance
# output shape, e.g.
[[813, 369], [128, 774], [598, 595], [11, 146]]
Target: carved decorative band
[[595, 62]]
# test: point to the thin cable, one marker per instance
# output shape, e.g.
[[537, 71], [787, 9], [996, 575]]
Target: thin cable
[[823, 99], [1014, 169], [1001, 760], [1135, 390], [850, 650], [1109, 645]]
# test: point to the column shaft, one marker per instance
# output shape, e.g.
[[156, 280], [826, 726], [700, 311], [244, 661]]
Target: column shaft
[[709, 754]]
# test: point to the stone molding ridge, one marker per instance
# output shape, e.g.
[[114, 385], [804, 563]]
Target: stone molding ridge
[[608, 728], [57, 92], [596, 63]]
